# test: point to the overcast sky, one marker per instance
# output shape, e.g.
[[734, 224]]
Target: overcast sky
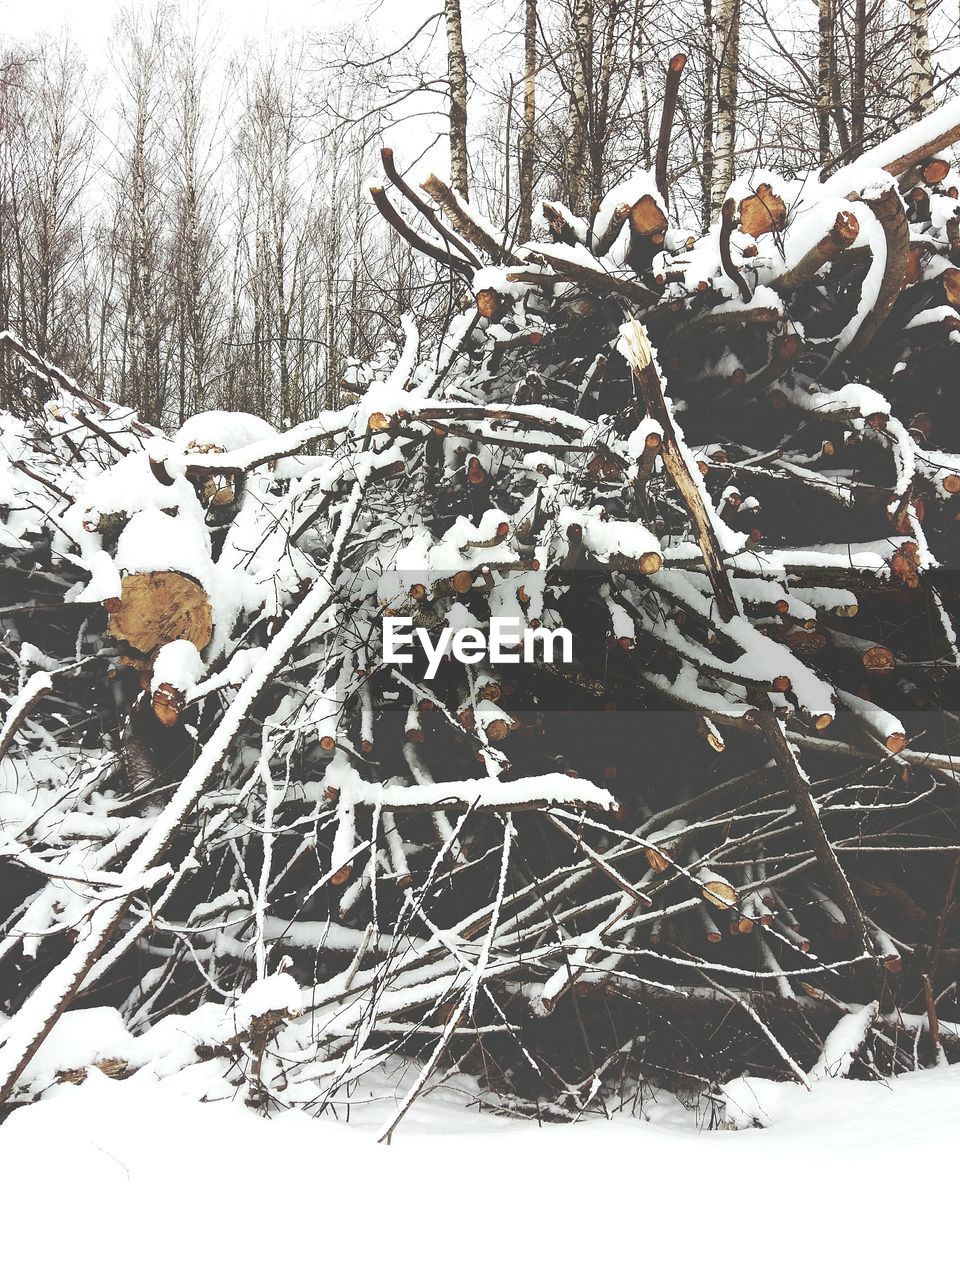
[[89, 20], [234, 22]]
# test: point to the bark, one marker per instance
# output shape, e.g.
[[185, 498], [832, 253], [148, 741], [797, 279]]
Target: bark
[[675, 461], [858, 76], [524, 226], [841, 236], [921, 73], [457, 74], [706, 175], [141, 268], [390, 215], [577, 178], [889, 212], [674, 72], [809, 814], [827, 24], [728, 56], [467, 226], [726, 258]]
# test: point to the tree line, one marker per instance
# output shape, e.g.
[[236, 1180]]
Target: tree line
[[182, 231]]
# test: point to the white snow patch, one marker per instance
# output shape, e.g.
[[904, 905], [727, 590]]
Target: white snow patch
[[116, 1154]]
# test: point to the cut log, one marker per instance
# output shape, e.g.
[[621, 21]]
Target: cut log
[[717, 890], [648, 225], [841, 235], [167, 703], [726, 257], [878, 658], [489, 304], [951, 285], [461, 216], [934, 171], [156, 608], [675, 461], [762, 212]]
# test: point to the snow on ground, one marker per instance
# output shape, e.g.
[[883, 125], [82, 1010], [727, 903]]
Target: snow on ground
[[118, 1178]]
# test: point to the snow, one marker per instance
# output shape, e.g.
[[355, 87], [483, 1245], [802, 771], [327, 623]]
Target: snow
[[932, 315], [87, 1174], [915, 137], [36, 686], [481, 793], [153, 541], [607, 538], [277, 993], [843, 1042], [808, 224], [28, 1027], [859, 400], [498, 278], [220, 430], [628, 192], [763, 299], [881, 722], [872, 231], [179, 665], [578, 256]]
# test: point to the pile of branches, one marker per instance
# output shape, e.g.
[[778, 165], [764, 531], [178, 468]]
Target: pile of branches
[[720, 840]]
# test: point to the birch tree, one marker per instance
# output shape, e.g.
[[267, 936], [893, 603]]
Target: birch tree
[[528, 137], [457, 75], [728, 82], [581, 76], [921, 71]]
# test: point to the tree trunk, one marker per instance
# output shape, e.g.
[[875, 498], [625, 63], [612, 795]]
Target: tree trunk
[[859, 74], [825, 76], [728, 56], [709, 79], [524, 226], [581, 75], [921, 73], [457, 74]]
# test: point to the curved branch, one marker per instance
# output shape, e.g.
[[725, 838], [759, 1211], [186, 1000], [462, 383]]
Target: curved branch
[[892, 218], [390, 214], [727, 216], [453, 240]]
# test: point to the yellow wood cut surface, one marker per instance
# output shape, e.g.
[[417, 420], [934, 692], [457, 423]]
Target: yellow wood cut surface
[[156, 608]]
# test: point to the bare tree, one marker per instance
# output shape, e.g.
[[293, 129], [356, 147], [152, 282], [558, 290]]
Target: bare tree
[[709, 83], [728, 61], [457, 73], [825, 76], [46, 138], [142, 206], [921, 72], [528, 138], [581, 75], [195, 245]]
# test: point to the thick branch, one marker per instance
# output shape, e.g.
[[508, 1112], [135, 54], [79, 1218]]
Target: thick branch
[[463, 220], [672, 89], [445, 258]]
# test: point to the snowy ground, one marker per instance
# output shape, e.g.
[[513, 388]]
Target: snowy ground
[[134, 1178]]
